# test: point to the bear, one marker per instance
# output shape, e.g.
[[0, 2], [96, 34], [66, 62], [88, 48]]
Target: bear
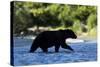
[[56, 38]]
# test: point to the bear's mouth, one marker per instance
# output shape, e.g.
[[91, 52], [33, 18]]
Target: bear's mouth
[[75, 37]]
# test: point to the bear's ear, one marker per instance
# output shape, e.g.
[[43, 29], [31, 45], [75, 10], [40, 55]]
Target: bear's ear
[[60, 30], [66, 32], [69, 30]]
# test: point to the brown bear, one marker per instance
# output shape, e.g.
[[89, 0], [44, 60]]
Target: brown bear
[[48, 39]]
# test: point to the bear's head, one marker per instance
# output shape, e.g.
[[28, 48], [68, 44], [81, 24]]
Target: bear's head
[[68, 33]]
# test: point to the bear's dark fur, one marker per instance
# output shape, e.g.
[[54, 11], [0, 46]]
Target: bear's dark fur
[[52, 38]]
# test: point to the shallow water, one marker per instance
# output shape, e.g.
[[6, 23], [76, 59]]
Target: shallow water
[[86, 51]]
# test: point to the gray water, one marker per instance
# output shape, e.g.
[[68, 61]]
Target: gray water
[[86, 51]]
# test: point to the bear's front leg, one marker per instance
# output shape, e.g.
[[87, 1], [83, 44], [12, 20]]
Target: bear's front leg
[[57, 46], [65, 46], [45, 50]]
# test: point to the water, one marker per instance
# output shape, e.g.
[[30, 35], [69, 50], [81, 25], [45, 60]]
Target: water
[[86, 51]]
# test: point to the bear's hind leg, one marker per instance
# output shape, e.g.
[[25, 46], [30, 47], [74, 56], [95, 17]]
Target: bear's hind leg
[[33, 48]]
